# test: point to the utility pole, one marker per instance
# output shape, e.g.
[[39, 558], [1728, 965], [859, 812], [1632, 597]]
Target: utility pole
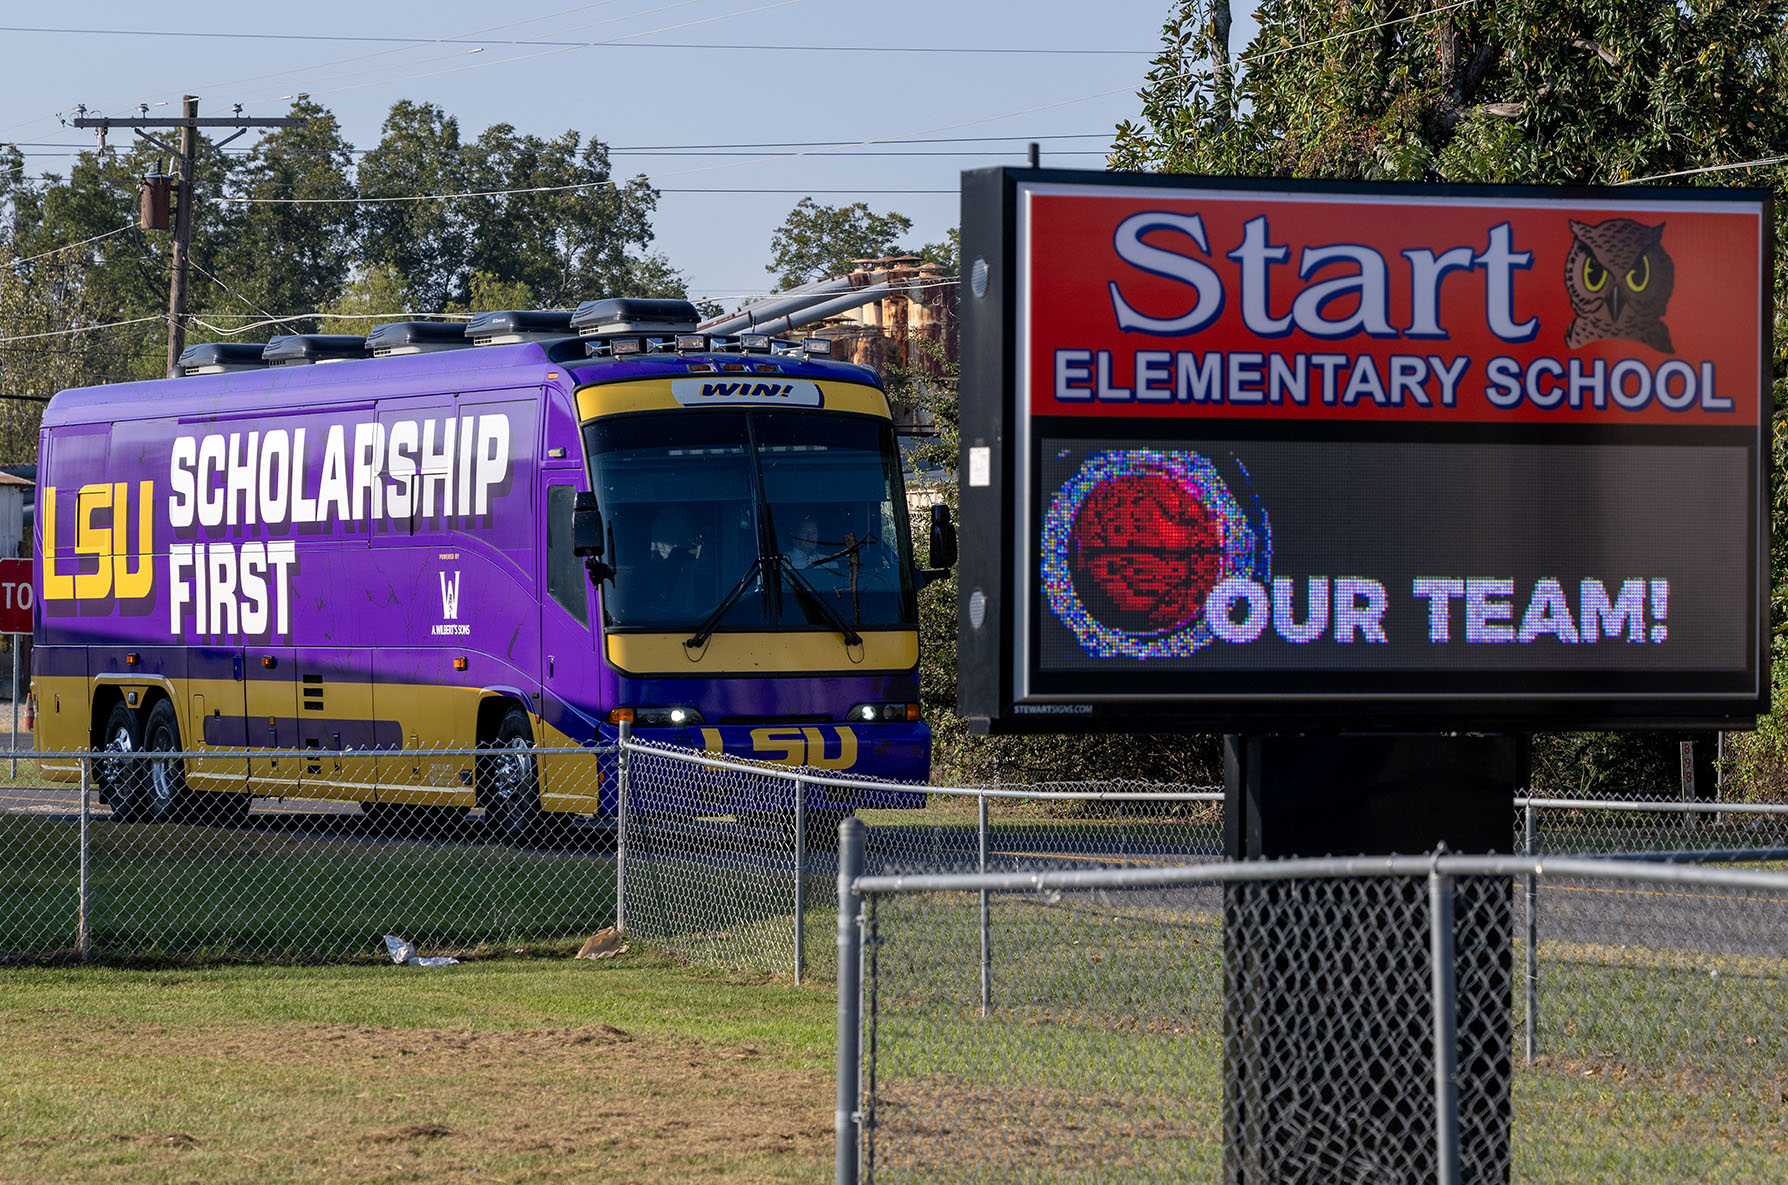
[[184, 163]]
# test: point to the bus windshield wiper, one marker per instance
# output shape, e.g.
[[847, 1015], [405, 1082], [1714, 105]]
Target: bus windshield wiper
[[808, 595], [714, 619]]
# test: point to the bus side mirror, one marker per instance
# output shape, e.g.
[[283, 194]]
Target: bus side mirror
[[586, 536], [586, 526], [943, 538]]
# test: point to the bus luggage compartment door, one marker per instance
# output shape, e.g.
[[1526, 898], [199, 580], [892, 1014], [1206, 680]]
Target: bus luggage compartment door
[[270, 701]]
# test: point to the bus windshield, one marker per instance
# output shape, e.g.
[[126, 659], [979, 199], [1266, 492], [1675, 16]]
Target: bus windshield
[[801, 516]]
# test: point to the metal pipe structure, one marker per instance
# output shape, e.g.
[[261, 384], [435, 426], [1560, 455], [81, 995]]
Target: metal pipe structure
[[796, 318], [850, 990], [986, 920], [623, 788], [745, 320], [1240, 871], [800, 878], [83, 913], [1446, 1027], [1532, 954]]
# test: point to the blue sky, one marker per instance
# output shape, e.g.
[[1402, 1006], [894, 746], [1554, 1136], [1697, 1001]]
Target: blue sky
[[671, 77]]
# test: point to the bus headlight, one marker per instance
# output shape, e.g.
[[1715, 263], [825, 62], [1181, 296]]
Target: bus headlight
[[656, 717], [885, 713]]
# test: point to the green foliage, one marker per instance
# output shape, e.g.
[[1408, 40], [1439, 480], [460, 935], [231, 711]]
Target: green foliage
[[816, 241], [264, 263], [957, 756], [426, 242], [280, 258], [376, 291], [1523, 91]]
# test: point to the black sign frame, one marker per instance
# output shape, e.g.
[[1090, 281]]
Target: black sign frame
[[998, 661]]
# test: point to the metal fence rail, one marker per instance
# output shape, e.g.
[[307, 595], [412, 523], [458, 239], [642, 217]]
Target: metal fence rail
[[1662, 1041]]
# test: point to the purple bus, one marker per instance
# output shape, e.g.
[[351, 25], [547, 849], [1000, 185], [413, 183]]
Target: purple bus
[[516, 534]]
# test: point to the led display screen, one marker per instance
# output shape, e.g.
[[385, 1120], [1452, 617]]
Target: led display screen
[[1249, 454]]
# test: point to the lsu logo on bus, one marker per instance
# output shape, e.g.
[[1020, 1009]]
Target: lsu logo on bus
[[105, 562], [796, 745]]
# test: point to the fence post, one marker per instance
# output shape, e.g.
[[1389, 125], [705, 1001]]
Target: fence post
[[986, 927], [1446, 1025], [1532, 922], [15, 707], [850, 1000], [624, 792], [800, 877], [83, 922]]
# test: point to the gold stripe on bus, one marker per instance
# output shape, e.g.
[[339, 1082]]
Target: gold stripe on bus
[[611, 399], [763, 653], [435, 717]]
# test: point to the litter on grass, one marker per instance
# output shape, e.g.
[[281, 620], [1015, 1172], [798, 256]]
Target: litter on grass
[[403, 952], [604, 944]]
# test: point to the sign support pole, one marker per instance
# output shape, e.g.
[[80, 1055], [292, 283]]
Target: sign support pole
[[1287, 947]]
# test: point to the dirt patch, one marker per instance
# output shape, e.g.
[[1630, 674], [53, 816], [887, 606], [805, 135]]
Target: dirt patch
[[352, 1103], [409, 1131], [154, 1139]]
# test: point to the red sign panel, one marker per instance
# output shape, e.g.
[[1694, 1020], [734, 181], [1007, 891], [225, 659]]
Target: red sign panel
[[17, 595], [1318, 306]]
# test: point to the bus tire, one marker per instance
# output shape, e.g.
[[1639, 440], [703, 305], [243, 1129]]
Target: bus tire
[[122, 784], [164, 777], [509, 782]]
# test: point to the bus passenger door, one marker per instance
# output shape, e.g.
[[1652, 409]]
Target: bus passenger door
[[568, 674], [270, 695]]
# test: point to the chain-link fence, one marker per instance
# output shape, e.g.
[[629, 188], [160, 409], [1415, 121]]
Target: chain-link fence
[[733, 864], [1613, 826], [724, 862], [1316, 1021], [134, 861]]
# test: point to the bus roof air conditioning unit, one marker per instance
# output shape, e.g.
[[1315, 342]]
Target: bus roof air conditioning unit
[[302, 349], [221, 358], [629, 314], [517, 325], [416, 337]]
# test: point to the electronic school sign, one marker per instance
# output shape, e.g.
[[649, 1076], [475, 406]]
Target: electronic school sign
[[1239, 452]]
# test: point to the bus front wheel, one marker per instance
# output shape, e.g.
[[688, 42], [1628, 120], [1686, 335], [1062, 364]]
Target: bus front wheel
[[509, 781], [123, 781]]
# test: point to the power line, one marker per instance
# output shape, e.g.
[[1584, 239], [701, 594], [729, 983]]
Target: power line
[[1743, 164], [531, 41], [71, 246]]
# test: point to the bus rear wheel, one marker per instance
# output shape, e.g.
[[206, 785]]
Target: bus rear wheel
[[165, 776], [509, 780]]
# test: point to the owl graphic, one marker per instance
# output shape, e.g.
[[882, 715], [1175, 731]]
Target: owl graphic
[[1620, 278]]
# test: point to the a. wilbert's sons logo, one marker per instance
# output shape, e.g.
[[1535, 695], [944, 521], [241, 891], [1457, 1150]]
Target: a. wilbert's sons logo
[[450, 623]]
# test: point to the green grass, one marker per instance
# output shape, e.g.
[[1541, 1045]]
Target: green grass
[[635, 1069]]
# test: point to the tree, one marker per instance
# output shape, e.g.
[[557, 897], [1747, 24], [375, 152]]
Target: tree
[[565, 227], [815, 241], [377, 291], [284, 256], [426, 241], [1518, 91]]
